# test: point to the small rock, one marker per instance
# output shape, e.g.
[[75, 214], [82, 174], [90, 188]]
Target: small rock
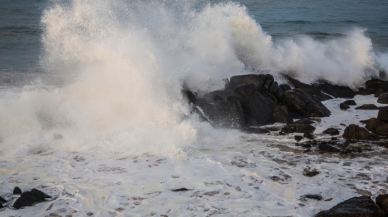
[[298, 128], [344, 106], [367, 107], [333, 138], [181, 189], [311, 196], [350, 102], [331, 131], [30, 198], [307, 150], [298, 138], [17, 190], [2, 200], [309, 173], [355, 132], [354, 207], [328, 148]]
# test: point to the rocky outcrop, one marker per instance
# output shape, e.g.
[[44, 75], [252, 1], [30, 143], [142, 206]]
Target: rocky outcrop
[[383, 98], [281, 114], [298, 128], [373, 123], [298, 101], [372, 87], [355, 132], [30, 198], [354, 207]]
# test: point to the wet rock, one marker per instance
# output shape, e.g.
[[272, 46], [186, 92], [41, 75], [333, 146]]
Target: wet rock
[[344, 106], [284, 87], [17, 190], [256, 80], [382, 202], [227, 114], [383, 114], [355, 132], [367, 107], [383, 98], [298, 138], [382, 89], [373, 123], [244, 92], [331, 131], [190, 96], [255, 130], [304, 104], [308, 135], [328, 148], [382, 130], [337, 91], [354, 207], [30, 198], [350, 102], [298, 128], [181, 189], [307, 150], [372, 87], [308, 89], [304, 121], [311, 196], [280, 114], [261, 109], [311, 173], [2, 200]]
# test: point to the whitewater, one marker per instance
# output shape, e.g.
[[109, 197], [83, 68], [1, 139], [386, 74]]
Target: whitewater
[[107, 132]]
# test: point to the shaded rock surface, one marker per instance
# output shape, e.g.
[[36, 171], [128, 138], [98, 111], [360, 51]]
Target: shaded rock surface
[[383, 98], [382, 202], [350, 102], [355, 132], [17, 190], [331, 131], [328, 148], [372, 87], [373, 123], [2, 200], [367, 107], [354, 207], [344, 106], [30, 198], [298, 128], [383, 114]]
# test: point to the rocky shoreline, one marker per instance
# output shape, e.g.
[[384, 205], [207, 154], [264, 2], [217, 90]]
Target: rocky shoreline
[[250, 102]]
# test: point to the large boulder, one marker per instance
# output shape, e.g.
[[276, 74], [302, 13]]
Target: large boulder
[[354, 207], [372, 87], [383, 114], [373, 123], [256, 80], [355, 132], [30, 198], [337, 91], [281, 115], [382, 89], [383, 98], [382, 202], [298, 101], [382, 130], [224, 114], [261, 109]]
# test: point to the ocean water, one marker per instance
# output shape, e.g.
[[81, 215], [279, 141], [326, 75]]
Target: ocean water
[[91, 109]]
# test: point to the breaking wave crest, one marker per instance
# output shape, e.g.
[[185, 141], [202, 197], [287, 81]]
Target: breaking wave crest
[[127, 63]]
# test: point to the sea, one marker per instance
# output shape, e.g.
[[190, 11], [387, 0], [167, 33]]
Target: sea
[[92, 111]]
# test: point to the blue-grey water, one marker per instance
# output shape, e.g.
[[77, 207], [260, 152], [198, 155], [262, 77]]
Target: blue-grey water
[[21, 30]]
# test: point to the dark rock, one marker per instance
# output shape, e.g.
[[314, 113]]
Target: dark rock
[[333, 138], [367, 107], [328, 148], [350, 102], [307, 150], [282, 133], [311, 196], [261, 109], [298, 128], [382, 89], [181, 189], [354, 207], [304, 104], [344, 106], [190, 96], [272, 128], [244, 92], [382, 130], [2, 200], [331, 131], [311, 173], [308, 89], [298, 138], [280, 114], [372, 87], [304, 121], [373, 123], [383, 144], [356, 132], [337, 91], [308, 135], [255, 130], [383, 114], [382, 202], [284, 87], [383, 98], [227, 114], [30, 198], [17, 190], [256, 80], [268, 81]]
